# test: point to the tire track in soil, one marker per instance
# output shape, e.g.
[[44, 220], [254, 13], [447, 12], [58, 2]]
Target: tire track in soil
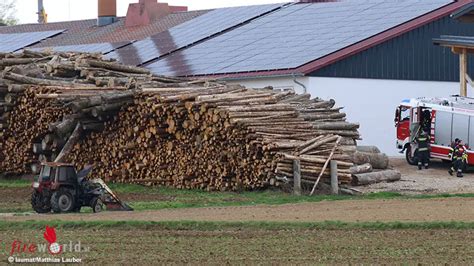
[[412, 210]]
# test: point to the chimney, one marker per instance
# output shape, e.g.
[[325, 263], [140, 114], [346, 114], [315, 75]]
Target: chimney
[[107, 12], [145, 11]]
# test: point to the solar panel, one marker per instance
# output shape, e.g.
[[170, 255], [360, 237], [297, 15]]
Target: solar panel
[[189, 32], [293, 36], [16, 41], [102, 48]]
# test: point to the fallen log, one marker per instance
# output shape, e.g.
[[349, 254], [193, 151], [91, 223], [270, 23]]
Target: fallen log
[[361, 169], [377, 160], [376, 177]]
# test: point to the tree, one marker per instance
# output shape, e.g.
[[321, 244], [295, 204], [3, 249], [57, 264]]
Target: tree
[[7, 12]]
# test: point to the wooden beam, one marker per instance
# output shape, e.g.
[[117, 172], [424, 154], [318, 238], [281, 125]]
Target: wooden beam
[[334, 178], [460, 50], [463, 72], [297, 177]]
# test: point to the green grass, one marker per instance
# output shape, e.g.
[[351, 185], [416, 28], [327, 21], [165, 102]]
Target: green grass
[[155, 198], [5, 183], [215, 226], [194, 199]]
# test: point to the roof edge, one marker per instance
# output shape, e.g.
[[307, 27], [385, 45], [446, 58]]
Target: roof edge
[[252, 74], [382, 37], [352, 49], [463, 11]]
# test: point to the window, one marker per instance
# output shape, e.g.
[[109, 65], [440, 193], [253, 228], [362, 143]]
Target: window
[[45, 173], [404, 113], [63, 174]]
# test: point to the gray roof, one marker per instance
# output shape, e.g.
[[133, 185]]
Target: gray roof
[[293, 36], [12, 42], [190, 32]]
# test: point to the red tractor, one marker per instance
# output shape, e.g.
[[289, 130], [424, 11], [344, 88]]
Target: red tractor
[[59, 188]]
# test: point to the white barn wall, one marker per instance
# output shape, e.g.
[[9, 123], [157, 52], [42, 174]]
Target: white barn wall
[[372, 103], [369, 102]]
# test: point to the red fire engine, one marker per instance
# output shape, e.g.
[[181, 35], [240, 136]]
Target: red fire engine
[[445, 119]]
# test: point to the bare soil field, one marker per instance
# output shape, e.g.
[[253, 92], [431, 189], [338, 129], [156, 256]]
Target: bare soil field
[[254, 246], [413, 210], [434, 180]]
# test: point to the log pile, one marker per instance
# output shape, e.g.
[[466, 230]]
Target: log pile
[[219, 137], [34, 128], [24, 121], [155, 130], [372, 167]]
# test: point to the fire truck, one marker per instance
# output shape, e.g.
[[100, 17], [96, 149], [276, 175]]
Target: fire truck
[[445, 119]]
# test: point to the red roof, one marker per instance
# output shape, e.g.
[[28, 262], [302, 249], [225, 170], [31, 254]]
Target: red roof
[[87, 31]]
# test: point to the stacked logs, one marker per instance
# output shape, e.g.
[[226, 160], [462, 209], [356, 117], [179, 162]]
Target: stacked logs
[[219, 137], [155, 130], [37, 127], [24, 121]]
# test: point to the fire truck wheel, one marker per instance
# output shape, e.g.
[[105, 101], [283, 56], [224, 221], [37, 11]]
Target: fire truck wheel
[[412, 160]]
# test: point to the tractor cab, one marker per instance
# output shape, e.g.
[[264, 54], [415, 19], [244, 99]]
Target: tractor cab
[[53, 175]]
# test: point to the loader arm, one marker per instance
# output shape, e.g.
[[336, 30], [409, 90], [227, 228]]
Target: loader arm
[[124, 206]]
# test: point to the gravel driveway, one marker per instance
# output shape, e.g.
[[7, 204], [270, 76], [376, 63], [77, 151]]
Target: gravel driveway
[[432, 181]]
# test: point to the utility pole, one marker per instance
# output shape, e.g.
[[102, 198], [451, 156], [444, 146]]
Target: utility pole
[[42, 16]]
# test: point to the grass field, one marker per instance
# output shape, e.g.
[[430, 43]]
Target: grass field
[[247, 243], [183, 242], [16, 197]]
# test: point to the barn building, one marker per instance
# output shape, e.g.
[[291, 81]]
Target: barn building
[[368, 55]]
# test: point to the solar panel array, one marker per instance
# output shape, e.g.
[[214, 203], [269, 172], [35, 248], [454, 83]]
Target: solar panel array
[[293, 36], [16, 41], [188, 33], [102, 48]]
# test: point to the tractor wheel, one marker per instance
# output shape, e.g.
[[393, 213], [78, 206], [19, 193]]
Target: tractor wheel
[[412, 160], [62, 201], [97, 205], [40, 203]]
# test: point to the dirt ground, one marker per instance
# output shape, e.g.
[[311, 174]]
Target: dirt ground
[[419, 210], [434, 180], [113, 246]]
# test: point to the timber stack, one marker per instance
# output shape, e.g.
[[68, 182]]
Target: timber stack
[[219, 137], [34, 128], [155, 130]]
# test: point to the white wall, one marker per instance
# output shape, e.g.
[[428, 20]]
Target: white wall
[[369, 102], [372, 103]]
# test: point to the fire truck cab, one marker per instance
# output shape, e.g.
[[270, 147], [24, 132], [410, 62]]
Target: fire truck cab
[[445, 119]]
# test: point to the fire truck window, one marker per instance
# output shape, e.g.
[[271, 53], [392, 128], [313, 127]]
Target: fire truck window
[[405, 114]]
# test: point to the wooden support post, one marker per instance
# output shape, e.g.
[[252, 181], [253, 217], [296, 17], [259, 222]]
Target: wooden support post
[[297, 177], [334, 178], [73, 139], [463, 72], [325, 165]]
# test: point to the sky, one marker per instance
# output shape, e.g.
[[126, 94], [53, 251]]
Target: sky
[[64, 10]]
